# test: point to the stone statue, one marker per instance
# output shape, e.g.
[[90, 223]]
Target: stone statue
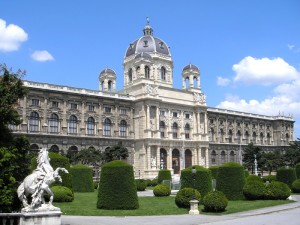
[[153, 162], [37, 183]]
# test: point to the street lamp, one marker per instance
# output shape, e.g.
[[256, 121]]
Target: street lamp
[[194, 178]]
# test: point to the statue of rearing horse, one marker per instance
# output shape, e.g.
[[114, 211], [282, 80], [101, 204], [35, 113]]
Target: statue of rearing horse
[[37, 183]]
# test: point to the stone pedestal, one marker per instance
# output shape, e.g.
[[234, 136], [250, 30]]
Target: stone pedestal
[[194, 207], [41, 218]]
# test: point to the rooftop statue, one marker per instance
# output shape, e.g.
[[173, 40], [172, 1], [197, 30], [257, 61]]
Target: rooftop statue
[[38, 183]]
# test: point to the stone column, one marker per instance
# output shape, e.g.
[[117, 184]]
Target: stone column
[[82, 124], [169, 159], [24, 126], [157, 120], [183, 83], [157, 158], [148, 160], [198, 82], [147, 117], [206, 158], [64, 124], [182, 125], [45, 122], [191, 80]]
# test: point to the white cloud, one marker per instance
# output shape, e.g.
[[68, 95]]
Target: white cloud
[[290, 46], [42, 56], [11, 37], [223, 81], [264, 71]]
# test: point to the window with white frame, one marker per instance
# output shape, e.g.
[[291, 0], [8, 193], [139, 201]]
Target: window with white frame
[[91, 107], [34, 122], [187, 131], [174, 130], [123, 128], [72, 125], [35, 101], [175, 114], [107, 127], [53, 123], [162, 127], [90, 126], [55, 104], [123, 111]]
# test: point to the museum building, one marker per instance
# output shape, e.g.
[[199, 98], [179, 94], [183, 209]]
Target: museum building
[[161, 126]]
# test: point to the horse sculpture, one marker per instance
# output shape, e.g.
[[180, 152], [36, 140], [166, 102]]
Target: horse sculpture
[[37, 183]]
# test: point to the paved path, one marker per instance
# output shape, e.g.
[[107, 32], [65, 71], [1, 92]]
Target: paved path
[[276, 215]]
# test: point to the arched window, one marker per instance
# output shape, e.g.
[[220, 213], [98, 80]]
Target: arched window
[[254, 137], [195, 82], [102, 86], [287, 138], [211, 134], [34, 122], [247, 137], [174, 130], [232, 156], [162, 128], [72, 125], [107, 127], [223, 155], [123, 128], [187, 131], [261, 136], [238, 136], [53, 123], [230, 136], [138, 69], [109, 85], [147, 72], [213, 157], [163, 73], [34, 147], [187, 82], [221, 135], [268, 138], [130, 75], [90, 126], [54, 148]]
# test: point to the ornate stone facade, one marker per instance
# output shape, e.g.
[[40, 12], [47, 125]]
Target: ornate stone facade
[[161, 126]]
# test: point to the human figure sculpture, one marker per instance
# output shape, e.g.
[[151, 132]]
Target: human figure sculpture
[[37, 183]]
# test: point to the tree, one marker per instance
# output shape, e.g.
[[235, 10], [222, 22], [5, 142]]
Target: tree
[[249, 155], [116, 152], [292, 154], [14, 158], [11, 90], [271, 160], [89, 157]]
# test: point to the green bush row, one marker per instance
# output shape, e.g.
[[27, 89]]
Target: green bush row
[[82, 178]]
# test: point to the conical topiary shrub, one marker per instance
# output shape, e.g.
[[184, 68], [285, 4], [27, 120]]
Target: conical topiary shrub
[[117, 188], [82, 178], [286, 175], [231, 180]]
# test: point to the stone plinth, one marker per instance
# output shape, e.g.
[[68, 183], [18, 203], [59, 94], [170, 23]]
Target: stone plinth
[[41, 218], [194, 207]]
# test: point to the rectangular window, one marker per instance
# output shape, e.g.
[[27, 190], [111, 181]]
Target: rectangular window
[[123, 111], [187, 116], [175, 114], [73, 106], [35, 102], [162, 113], [107, 109], [91, 108], [55, 104]]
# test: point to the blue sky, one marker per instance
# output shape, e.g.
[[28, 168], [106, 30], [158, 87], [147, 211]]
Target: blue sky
[[248, 51]]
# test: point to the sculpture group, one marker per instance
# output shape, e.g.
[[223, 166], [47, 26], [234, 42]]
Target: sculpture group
[[38, 184]]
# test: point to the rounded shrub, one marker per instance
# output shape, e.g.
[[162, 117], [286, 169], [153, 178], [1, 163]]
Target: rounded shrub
[[269, 178], [286, 175], [203, 179], [57, 160], [141, 184], [185, 195], [297, 168], [82, 178], [246, 173], [253, 178], [231, 180], [164, 174], [215, 201], [214, 171], [117, 188], [62, 194], [254, 190], [96, 184], [277, 191], [296, 186], [161, 190], [152, 183]]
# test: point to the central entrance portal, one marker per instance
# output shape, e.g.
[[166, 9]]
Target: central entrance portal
[[176, 161]]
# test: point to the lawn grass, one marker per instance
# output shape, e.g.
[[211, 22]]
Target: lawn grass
[[85, 205]]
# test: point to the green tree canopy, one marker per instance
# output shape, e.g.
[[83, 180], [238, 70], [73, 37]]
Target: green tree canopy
[[271, 160], [249, 155], [116, 152], [292, 154], [89, 156]]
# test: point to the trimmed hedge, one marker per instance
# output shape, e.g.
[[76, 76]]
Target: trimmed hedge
[[231, 180], [286, 175], [203, 179], [214, 171], [96, 184], [62, 194], [277, 191], [141, 184], [296, 186], [161, 190], [82, 178], [254, 190], [297, 168], [185, 195], [164, 174], [152, 183], [215, 201], [269, 178], [246, 173], [253, 178], [57, 160], [117, 188]]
